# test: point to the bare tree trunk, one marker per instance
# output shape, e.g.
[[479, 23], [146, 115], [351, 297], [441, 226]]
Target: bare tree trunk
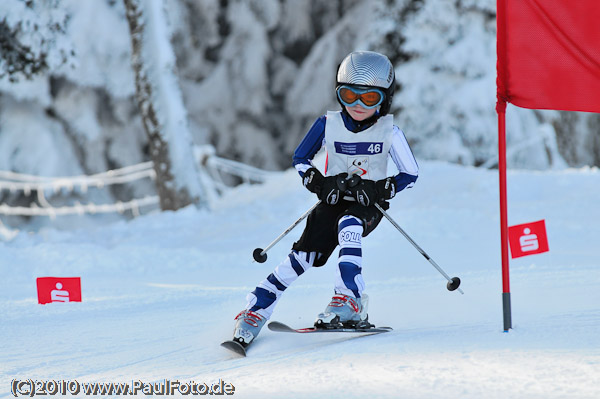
[[161, 106]]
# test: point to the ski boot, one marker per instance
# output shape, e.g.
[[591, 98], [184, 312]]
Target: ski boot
[[248, 325], [345, 311]]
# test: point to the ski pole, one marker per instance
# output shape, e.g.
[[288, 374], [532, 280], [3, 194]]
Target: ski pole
[[453, 283], [260, 255]]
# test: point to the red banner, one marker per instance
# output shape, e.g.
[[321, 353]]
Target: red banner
[[548, 58], [549, 54], [58, 289], [528, 239]]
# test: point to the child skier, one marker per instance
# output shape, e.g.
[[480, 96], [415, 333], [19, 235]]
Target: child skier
[[359, 139]]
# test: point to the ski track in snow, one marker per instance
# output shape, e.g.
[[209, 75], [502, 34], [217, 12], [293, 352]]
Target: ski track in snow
[[160, 294]]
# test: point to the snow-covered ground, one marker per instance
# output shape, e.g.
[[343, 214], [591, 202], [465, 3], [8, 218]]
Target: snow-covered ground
[[160, 294]]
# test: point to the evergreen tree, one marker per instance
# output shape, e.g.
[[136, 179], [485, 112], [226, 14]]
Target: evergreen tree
[[161, 106]]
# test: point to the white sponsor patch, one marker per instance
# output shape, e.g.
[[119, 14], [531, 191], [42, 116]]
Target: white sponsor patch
[[358, 166]]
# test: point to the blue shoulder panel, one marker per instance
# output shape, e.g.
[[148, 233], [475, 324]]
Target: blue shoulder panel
[[311, 144]]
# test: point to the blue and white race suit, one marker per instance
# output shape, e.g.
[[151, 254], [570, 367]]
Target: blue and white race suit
[[358, 149]]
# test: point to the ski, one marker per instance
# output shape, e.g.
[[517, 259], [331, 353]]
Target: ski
[[235, 347], [276, 326], [280, 327]]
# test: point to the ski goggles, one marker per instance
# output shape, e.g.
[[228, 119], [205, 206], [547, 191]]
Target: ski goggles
[[368, 97]]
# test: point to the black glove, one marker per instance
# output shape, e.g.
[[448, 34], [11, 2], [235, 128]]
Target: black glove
[[386, 188], [368, 192], [365, 192], [328, 189]]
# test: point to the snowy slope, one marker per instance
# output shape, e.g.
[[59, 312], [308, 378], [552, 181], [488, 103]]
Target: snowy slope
[[161, 292]]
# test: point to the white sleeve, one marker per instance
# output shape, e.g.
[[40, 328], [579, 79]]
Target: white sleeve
[[402, 155]]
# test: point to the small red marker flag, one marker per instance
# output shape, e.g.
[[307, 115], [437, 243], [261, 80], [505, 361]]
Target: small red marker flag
[[58, 289], [528, 239]]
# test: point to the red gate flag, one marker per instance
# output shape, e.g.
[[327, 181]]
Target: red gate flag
[[548, 58], [549, 54], [58, 289], [528, 239]]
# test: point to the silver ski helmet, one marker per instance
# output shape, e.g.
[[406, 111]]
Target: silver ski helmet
[[368, 69]]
